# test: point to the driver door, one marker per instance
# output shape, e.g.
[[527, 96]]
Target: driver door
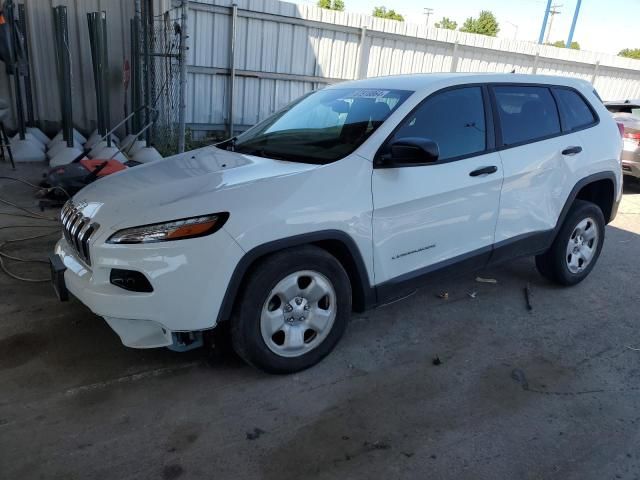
[[433, 215]]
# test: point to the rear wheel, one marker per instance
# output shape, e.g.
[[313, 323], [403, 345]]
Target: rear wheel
[[292, 311], [577, 246]]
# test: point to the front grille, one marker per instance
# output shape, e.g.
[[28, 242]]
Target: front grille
[[77, 230]]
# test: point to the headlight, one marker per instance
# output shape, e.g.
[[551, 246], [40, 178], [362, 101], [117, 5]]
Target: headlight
[[174, 230]]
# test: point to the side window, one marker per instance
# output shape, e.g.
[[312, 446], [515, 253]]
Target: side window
[[526, 113], [453, 119], [575, 113]]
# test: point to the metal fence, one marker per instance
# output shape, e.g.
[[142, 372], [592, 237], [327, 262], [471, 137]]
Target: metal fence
[[42, 55], [281, 50], [165, 62]]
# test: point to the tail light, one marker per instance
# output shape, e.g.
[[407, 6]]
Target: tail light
[[633, 137], [620, 128]]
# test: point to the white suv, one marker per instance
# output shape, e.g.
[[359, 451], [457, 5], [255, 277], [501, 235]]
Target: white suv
[[346, 199]]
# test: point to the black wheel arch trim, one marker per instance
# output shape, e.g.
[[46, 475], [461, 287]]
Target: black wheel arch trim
[[362, 286], [608, 175]]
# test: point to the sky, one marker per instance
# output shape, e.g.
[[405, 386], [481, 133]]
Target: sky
[[603, 25]]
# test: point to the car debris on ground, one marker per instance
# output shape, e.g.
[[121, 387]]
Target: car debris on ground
[[527, 296], [486, 280]]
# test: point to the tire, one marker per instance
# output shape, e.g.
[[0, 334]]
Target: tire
[[569, 264], [292, 310]]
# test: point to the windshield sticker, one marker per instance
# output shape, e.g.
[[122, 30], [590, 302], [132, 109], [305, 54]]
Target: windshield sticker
[[369, 93]]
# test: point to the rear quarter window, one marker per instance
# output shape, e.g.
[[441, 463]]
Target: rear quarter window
[[574, 111], [526, 113]]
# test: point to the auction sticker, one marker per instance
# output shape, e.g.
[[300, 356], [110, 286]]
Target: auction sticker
[[369, 93]]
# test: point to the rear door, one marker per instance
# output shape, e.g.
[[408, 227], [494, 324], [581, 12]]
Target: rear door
[[428, 216], [536, 172]]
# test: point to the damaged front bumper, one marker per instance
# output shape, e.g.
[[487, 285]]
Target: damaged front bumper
[[188, 287]]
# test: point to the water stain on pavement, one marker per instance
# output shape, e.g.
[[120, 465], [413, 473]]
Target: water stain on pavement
[[18, 349], [171, 472], [182, 437]]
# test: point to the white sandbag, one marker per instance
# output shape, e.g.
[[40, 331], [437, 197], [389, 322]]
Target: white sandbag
[[26, 151], [147, 155], [65, 156]]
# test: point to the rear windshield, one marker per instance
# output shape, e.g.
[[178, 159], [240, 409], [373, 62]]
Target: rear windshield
[[321, 127]]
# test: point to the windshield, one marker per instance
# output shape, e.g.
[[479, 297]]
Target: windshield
[[321, 127]]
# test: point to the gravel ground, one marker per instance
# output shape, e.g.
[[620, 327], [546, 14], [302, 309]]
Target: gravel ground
[[547, 393]]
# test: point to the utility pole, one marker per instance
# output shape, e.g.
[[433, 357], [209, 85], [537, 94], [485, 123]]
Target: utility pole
[[573, 24], [553, 12], [544, 21], [428, 12]]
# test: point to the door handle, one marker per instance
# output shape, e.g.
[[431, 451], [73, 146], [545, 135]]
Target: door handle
[[484, 171], [571, 150]]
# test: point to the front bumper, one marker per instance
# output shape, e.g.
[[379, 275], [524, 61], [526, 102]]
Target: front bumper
[[189, 279]]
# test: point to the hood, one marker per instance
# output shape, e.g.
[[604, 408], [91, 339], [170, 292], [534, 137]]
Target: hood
[[184, 185]]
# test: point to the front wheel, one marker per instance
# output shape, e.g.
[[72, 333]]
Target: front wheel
[[577, 246], [292, 311]]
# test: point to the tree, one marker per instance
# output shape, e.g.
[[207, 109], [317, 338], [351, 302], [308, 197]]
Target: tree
[[332, 4], [447, 23], [382, 12], [562, 43], [485, 24], [630, 53]]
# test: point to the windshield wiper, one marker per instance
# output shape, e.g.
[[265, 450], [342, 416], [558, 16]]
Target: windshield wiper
[[261, 152], [228, 144]]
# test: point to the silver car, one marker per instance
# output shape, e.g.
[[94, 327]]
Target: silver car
[[628, 114]]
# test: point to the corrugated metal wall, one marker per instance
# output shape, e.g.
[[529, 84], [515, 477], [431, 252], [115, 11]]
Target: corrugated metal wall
[[43, 65], [284, 50]]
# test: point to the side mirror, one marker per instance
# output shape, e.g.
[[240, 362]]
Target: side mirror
[[413, 151]]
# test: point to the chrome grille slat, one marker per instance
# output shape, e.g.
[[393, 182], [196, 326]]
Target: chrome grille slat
[[79, 239], [64, 213], [84, 236], [75, 233], [78, 230], [77, 224], [71, 227], [77, 218], [70, 219], [94, 228]]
